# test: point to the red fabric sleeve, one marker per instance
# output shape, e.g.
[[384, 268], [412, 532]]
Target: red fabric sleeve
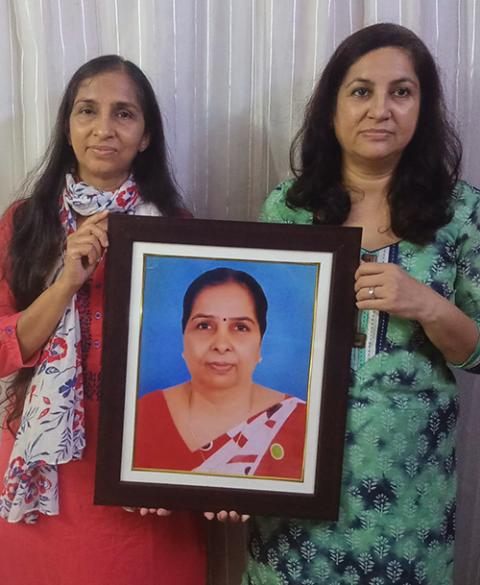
[[10, 355]]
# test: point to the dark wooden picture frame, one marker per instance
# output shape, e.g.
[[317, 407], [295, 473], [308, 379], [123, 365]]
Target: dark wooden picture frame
[[132, 239]]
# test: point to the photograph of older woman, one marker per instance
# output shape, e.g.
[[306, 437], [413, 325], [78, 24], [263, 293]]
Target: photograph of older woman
[[221, 421]]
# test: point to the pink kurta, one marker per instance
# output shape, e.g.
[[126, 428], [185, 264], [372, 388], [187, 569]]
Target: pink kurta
[[87, 544]]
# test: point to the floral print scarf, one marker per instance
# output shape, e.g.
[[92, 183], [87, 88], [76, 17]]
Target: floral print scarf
[[52, 430]]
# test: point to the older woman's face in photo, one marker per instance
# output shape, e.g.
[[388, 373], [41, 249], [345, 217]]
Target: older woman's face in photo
[[106, 128], [222, 337], [378, 105]]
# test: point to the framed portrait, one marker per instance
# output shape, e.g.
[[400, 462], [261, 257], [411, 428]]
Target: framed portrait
[[226, 364]]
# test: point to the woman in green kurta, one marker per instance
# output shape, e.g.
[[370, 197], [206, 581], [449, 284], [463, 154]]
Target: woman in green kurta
[[377, 152]]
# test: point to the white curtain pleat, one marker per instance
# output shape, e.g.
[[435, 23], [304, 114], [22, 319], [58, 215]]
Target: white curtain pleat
[[12, 166], [108, 26], [233, 78], [33, 82], [469, 83]]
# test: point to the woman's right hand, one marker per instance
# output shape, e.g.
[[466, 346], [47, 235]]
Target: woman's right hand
[[84, 250]]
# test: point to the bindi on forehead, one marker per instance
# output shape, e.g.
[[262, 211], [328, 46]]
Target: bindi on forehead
[[199, 316]]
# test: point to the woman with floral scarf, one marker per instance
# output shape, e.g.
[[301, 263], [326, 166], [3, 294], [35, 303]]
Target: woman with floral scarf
[[107, 155]]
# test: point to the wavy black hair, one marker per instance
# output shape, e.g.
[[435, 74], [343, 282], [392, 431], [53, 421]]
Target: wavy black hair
[[222, 275], [38, 236], [421, 187]]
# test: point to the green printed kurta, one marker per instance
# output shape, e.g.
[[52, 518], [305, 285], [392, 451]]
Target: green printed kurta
[[397, 510]]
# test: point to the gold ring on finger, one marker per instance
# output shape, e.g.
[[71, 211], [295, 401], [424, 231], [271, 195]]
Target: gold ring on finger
[[371, 292]]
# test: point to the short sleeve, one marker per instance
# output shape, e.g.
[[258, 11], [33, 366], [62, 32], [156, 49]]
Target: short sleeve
[[467, 282], [276, 210]]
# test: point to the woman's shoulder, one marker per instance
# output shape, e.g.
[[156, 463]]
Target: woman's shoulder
[[466, 202], [6, 230], [465, 221], [276, 210], [163, 394], [152, 397], [6, 218], [268, 397]]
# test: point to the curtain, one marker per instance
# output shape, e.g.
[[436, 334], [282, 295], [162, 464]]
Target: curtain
[[233, 78]]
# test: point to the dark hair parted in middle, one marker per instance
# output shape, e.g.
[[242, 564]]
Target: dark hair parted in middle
[[38, 235], [219, 276], [420, 190]]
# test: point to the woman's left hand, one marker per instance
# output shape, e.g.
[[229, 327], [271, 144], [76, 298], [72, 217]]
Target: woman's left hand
[[146, 511], [222, 516], [225, 516], [387, 287]]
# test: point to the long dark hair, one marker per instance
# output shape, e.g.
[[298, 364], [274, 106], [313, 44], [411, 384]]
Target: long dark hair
[[222, 275], [421, 187], [38, 236]]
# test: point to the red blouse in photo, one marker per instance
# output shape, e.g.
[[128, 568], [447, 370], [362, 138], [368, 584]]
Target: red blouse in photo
[[268, 444]]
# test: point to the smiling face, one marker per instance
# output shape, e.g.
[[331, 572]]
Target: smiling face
[[377, 108], [222, 337], [106, 129]]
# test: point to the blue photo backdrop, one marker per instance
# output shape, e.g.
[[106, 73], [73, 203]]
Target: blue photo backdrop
[[290, 291]]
